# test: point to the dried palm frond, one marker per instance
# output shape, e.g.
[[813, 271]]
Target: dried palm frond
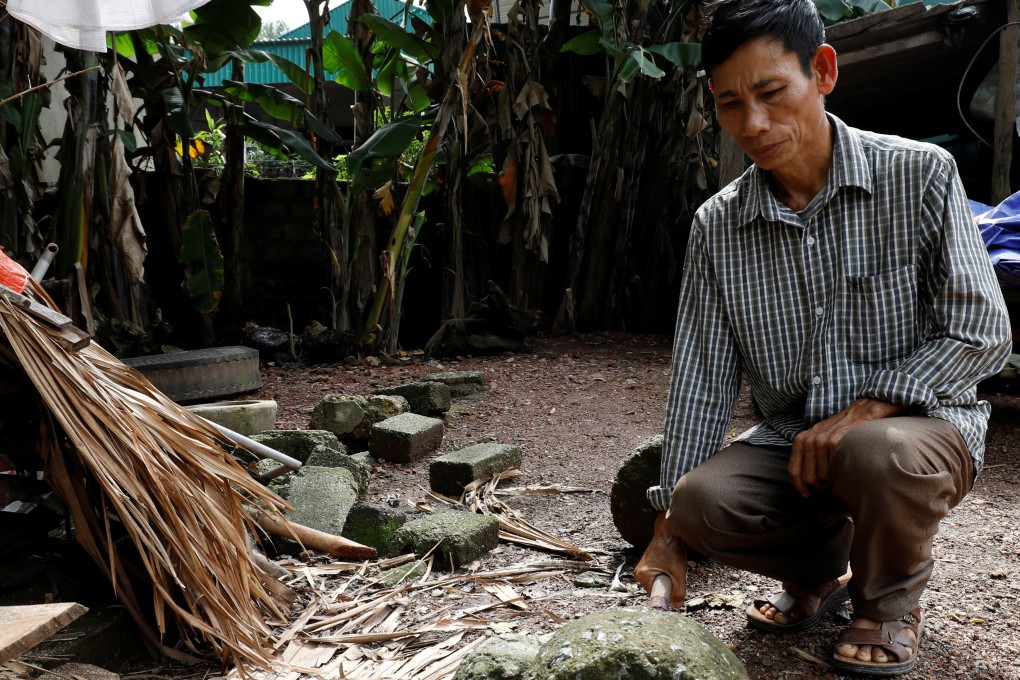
[[125, 458], [480, 496]]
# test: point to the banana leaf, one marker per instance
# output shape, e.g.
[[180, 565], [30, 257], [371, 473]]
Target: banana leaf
[[340, 56], [201, 254], [397, 37], [275, 137], [222, 25]]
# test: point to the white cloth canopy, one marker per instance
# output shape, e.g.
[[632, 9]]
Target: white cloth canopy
[[83, 24]]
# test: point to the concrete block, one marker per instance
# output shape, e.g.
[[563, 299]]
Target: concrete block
[[322, 497], [374, 524], [352, 417], [365, 458], [635, 643], [461, 536], [322, 456], [461, 383], [426, 398], [299, 444], [405, 437], [451, 472], [246, 416]]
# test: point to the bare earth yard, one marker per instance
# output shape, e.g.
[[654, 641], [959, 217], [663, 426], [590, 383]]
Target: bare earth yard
[[577, 406]]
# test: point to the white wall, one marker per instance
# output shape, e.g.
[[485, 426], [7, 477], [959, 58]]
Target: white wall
[[51, 120]]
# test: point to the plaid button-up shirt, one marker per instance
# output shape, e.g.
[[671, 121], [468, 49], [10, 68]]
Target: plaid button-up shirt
[[880, 288]]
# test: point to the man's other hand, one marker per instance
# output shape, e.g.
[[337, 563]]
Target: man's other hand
[[812, 448], [664, 555]]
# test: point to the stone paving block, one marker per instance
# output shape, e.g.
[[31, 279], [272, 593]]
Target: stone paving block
[[405, 437], [365, 458], [451, 472], [427, 398], [244, 416], [325, 457], [299, 444], [635, 643], [352, 417], [374, 524], [461, 383], [504, 657], [322, 497], [461, 536]]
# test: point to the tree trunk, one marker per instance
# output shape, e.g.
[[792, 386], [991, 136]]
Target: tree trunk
[[364, 227], [327, 196], [232, 194], [454, 306]]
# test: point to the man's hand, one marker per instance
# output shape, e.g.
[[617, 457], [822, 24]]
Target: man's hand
[[664, 555], [812, 448]]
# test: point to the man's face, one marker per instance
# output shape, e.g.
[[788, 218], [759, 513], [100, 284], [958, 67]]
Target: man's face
[[774, 111]]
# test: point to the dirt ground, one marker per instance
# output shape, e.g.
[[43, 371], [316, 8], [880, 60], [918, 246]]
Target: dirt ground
[[577, 406]]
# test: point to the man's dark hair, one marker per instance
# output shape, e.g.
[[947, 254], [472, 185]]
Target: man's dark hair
[[734, 22]]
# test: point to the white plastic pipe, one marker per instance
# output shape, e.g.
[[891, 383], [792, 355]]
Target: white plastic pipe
[[255, 447], [43, 265]]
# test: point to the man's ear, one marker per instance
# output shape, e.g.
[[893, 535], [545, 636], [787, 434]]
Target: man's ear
[[711, 86], [824, 66]]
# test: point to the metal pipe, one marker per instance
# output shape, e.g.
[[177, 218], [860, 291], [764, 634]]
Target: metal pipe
[[43, 264]]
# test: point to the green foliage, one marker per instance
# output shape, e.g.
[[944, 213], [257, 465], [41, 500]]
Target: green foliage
[[222, 25], [273, 29], [371, 164], [341, 57], [396, 36], [200, 253], [628, 58], [833, 11]]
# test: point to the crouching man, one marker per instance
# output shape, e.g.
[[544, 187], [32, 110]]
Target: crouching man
[[844, 276]]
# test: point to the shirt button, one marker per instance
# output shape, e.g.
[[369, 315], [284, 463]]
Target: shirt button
[[819, 311], [817, 380], [810, 240]]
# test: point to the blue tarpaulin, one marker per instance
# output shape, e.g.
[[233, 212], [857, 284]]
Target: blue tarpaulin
[[1000, 229]]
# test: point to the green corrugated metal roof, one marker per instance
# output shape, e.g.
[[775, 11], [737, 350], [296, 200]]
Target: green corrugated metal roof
[[388, 9], [294, 44]]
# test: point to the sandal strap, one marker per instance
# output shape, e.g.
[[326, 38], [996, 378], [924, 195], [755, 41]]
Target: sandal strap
[[890, 637]]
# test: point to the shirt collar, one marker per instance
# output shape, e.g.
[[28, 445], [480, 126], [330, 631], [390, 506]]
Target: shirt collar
[[849, 168]]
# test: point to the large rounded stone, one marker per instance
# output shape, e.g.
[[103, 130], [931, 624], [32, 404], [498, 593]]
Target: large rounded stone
[[633, 515], [635, 643], [506, 657]]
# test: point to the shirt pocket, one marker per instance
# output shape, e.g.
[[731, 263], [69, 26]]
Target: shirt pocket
[[880, 316]]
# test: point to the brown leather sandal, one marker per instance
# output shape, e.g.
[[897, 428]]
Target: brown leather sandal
[[892, 638], [793, 607]]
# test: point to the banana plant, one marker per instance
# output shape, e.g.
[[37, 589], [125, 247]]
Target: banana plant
[[633, 45]]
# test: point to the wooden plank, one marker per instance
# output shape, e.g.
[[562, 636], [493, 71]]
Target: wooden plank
[[63, 332], [23, 627], [1005, 108], [897, 47], [845, 29]]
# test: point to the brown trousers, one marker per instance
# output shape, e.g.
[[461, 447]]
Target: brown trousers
[[892, 481]]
